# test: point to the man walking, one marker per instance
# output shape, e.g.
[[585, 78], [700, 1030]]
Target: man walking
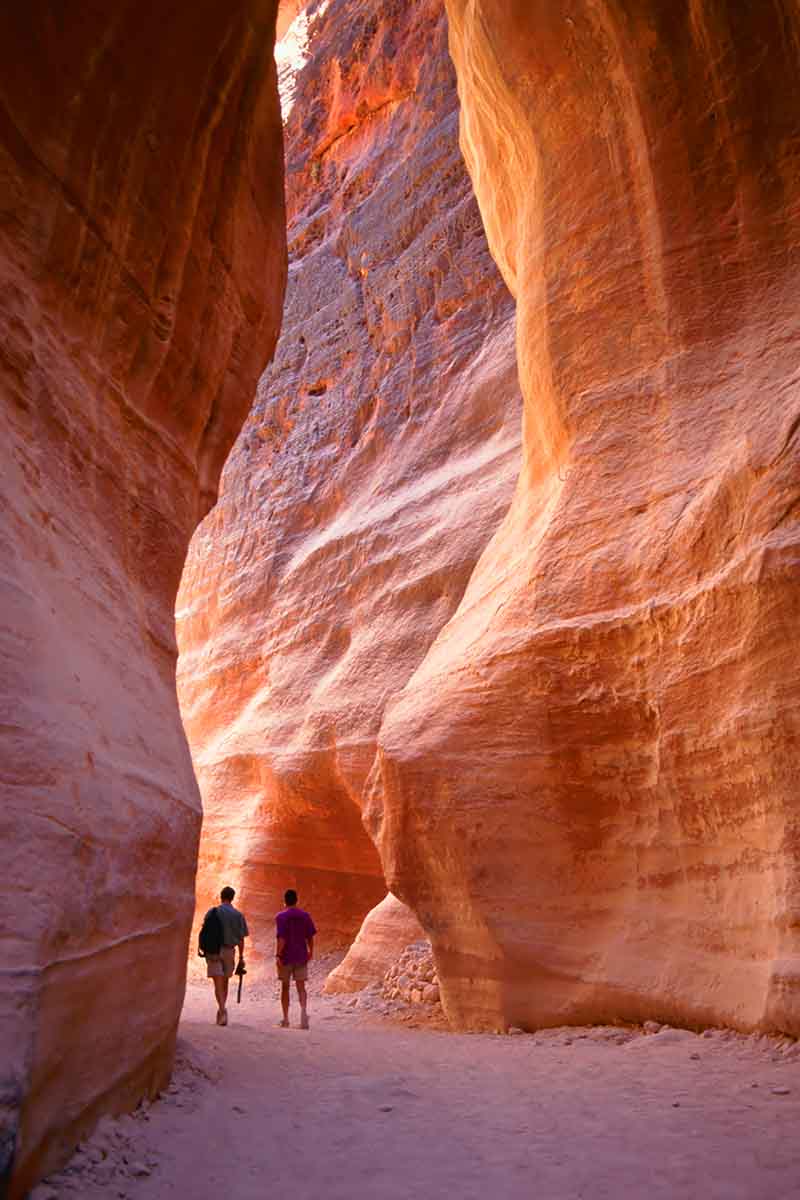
[[220, 966], [294, 950]]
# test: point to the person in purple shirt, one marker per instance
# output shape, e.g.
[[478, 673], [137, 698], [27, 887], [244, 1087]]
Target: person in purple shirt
[[294, 950]]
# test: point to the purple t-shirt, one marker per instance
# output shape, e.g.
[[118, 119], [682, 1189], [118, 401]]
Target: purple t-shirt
[[295, 927]]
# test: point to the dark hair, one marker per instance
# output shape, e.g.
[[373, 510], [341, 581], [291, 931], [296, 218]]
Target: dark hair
[[227, 893], [290, 897]]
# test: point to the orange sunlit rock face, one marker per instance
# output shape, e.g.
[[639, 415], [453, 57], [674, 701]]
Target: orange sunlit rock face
[[142, 264], [588, 788], [379, 458]]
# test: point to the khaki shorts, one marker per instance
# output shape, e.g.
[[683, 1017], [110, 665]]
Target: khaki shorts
[[292, 970], [221, 964]]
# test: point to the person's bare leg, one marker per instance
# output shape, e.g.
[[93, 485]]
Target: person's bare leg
[[224, 982], [303, 998], [285, 985], [219, 994]]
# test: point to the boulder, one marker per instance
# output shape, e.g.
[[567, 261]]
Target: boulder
[[385, 933]]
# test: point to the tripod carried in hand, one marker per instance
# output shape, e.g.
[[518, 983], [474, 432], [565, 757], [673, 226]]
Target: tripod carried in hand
[[241, 971]]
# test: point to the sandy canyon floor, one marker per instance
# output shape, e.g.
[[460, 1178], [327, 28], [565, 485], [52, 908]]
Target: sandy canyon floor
[[389, 1108]]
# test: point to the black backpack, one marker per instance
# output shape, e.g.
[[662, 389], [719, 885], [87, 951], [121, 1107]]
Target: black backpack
[[211, 935]]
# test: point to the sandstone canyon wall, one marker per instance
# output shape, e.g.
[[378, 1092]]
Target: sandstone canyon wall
[[377, 461], [588, 789], [142, 265]]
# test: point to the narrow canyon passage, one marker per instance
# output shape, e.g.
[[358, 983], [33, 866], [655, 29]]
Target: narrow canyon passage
[[364, 1107]]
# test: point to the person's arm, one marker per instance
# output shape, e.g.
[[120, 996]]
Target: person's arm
[[280, 940], [310, 944], [241, 949]]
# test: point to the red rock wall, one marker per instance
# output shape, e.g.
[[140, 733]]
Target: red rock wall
[[377, 462], [588, 789], [142, 264]]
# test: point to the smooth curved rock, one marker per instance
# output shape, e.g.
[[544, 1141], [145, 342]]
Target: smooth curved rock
[[588, 789], [387, 930], [376, 464], [142, 262]]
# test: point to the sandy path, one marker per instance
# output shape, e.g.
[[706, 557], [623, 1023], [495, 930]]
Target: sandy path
[[365, 1107]]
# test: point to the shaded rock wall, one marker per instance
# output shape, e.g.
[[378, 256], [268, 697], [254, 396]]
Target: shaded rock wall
[[142, 264], [376, 463], [588, 789]]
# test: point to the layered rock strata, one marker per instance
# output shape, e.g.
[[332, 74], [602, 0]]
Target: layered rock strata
[[387, 930], [588, 788], [142, 263], [378, 459]]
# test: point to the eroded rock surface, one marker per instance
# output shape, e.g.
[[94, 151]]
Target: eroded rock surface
[[387, 930], [588, 789], [377, 462], [142, 262]]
